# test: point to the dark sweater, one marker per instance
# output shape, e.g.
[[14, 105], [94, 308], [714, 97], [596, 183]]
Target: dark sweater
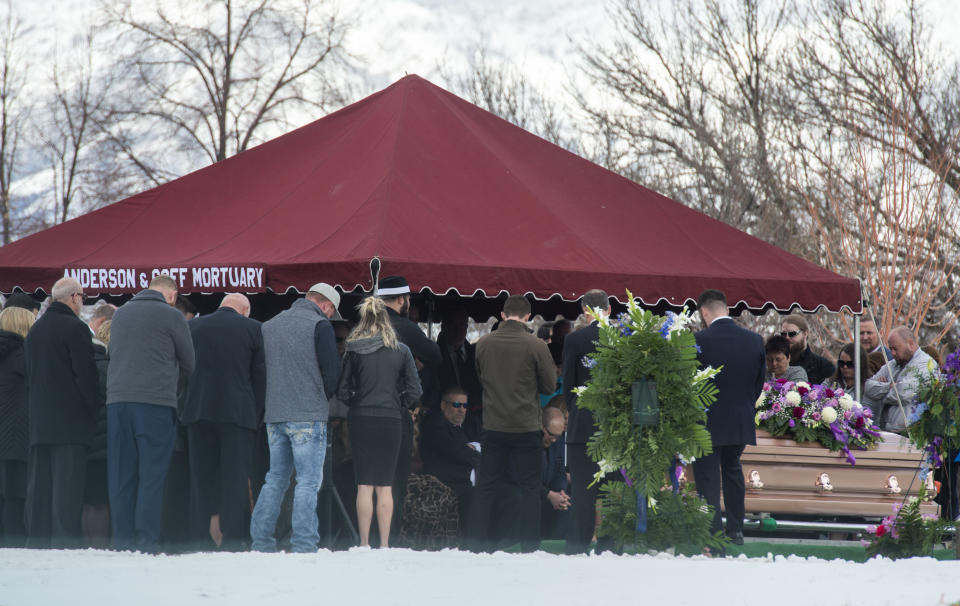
[[61, 378], [444, 450], [150, 348]]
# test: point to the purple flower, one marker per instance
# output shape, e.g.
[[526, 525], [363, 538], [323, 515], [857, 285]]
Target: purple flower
[[791, 423]]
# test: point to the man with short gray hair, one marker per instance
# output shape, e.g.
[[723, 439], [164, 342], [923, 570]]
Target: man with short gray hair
[[906, 369], [150, 348], [303, 369], [63, 400]]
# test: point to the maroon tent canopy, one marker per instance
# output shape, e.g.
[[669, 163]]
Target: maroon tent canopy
[[443, 192]]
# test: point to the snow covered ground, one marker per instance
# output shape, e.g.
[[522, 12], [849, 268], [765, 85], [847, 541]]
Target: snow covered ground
[[400, 576]]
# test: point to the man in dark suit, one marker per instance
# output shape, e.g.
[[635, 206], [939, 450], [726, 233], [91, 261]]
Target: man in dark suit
[[63, 401], [583, 497], [395, 292], [224, 406], [730, 420], [445, 448]]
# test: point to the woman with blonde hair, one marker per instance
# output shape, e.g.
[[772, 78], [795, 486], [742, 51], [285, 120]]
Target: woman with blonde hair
[[15, 322], [379, 383]]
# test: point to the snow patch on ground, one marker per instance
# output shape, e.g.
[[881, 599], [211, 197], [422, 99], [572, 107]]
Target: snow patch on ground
[[399, 576]]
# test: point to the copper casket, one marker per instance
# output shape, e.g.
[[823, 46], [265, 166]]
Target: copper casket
[[786, 477]]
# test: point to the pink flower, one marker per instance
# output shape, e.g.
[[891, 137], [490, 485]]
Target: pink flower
[[816, 416], [881, 530], [801, 390]]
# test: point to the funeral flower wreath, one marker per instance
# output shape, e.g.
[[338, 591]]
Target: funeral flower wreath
[[642, 345]]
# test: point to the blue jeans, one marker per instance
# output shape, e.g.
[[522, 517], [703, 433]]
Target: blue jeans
[[300, 446], [140, 441]]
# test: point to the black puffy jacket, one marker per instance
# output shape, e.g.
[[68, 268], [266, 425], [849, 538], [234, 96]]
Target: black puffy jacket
[[13, 398]]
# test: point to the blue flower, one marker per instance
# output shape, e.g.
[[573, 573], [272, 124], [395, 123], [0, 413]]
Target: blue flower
[[665, 329], [589, 362], [697, 347], [917, 413]]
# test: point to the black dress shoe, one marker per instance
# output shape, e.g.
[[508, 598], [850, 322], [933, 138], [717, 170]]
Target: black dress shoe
[[736, 537]]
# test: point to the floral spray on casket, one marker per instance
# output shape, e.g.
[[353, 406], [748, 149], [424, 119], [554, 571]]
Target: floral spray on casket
[[642, 504], [815, 413]]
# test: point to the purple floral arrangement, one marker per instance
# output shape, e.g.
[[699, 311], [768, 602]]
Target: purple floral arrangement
[[815, 413]]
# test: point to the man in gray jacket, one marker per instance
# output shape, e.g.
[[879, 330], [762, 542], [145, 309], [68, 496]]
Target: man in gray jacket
[[898, 381], [303, 368], [150, 348]]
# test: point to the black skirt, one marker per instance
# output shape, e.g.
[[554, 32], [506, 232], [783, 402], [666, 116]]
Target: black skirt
[[376, 444]]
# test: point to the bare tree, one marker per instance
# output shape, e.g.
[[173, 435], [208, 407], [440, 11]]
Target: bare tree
[[214, 75], [502, 89], [692, 93], [882, 215], [13, 113], [72, 129], [865, 65]]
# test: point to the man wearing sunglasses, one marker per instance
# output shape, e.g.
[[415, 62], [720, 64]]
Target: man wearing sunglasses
[[795, 329], [446, 448], [63, 401]]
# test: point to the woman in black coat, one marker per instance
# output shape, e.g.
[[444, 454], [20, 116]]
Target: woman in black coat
[[14, 324], [379, 383]]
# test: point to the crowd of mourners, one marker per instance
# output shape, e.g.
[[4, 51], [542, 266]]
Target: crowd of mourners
[[146, 428]]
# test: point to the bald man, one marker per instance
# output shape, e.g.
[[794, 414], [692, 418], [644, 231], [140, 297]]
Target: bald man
[[223, 408], [907, 366]]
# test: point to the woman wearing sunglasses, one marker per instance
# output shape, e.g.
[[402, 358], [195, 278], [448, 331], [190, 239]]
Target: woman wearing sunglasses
[[844, 377]]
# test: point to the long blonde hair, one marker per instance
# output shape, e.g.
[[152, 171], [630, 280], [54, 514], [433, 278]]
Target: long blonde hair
[[374, 322], [17, 320]]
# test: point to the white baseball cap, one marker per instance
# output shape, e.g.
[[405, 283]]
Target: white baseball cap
[[330, 293]]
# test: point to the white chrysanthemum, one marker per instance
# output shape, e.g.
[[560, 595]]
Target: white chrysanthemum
[[803, 384], [828, 414], [793, 398], [857, 404], [845, 401]]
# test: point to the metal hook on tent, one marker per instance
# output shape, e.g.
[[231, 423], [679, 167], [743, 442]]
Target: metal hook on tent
[[375, 273]]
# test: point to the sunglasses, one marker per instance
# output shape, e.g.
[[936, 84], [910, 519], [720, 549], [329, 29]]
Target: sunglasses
[[790, 334], [458, 404], [845, 363]]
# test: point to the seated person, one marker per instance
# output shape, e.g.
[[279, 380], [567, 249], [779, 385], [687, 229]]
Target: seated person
[[778, 361], [906, 369], [555, 501], [446, 449], [845, 377]]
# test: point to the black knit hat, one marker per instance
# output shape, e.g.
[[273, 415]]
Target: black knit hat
[[22, 299], [392, 286]]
